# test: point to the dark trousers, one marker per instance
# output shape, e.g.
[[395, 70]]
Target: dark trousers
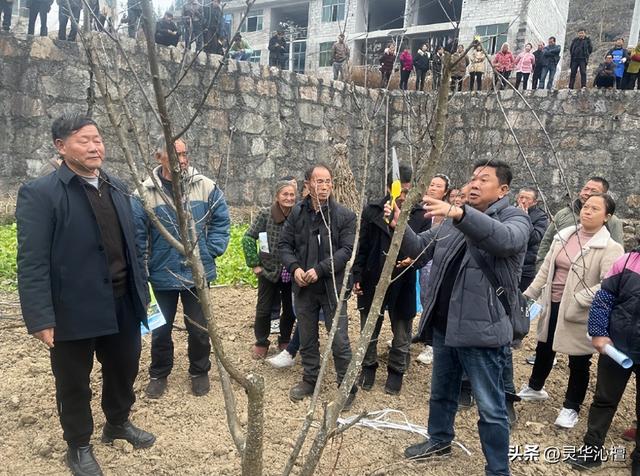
[[537, 72], [193, 33], [619, 82], [386, 76], [610, 385], [198, 344], [456, 83], [500, 79], [578, 367], [522, 78], [6, 9], [437, 79], [72, 361], [484, 367], [309, 302], [629, 81], [268, 294], [421, 75], [475, 77], [398, 355], [64, 17], [134, 16], [404, 79], [578, 64], [41, 8]]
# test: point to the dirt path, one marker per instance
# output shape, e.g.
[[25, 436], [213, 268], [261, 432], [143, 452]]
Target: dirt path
[[192, 434]]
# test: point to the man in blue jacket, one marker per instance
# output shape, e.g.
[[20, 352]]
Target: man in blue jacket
[[169, 275], [551, 58], [463, 315], [82, 287], [620, 57]]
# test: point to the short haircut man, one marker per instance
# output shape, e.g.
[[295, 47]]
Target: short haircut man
[[170, 279], [82, 287], [315, 245], [469, 334]]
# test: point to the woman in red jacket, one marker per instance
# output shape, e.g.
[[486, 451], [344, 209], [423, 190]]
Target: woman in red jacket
[[503, 62], [406, 60]]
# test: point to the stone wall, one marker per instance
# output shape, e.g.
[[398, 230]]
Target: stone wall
[[277, 123]]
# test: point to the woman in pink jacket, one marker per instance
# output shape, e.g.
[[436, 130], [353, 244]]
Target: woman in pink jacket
[[406, 61], [503, 62], [525, 62]]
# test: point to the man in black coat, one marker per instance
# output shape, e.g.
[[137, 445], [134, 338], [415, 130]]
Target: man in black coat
[[537, 69], [527, 201], [400, 300], [82, 287], [315, 245], [167, 33], [580, 50], [278, 50]]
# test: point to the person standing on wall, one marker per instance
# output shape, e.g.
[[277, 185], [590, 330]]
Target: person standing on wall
[[64, 15], [580, 50], [339, 57], [6, 9], [387, 61], [38, 8], [477, 67], [503, 62], [620, 57], [406, 64], [422, 64], [278, 50], [83, 287], [170, 278], [525, 64], [551, 58], [459, 62], [537, 70]]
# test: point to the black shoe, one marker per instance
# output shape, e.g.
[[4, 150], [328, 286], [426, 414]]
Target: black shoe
[[394, 382], [465, 400], [156, 387], [82, 462], [511, 414], [367, 378], [200, 385], [427, 449], [301, 390], [127, 431], [587, 457]]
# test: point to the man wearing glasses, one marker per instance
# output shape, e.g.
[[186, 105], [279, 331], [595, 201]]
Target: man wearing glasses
[[315, 245]]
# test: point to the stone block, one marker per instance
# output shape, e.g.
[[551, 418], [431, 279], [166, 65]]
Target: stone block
[[26, 107], [311, 114], [44, 48], [316, 135], [266, 88], [257, 146], [246, 84], [250, 123], [308, 93]]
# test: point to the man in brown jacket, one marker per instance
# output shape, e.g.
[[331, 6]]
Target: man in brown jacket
[[339, 55]]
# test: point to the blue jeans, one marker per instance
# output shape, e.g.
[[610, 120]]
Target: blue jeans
[[549, 70], [484, 366]]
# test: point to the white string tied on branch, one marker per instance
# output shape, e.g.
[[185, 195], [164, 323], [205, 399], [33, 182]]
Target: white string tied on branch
[[383, 420]]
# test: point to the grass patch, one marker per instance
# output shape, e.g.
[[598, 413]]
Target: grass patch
[[231, 266]]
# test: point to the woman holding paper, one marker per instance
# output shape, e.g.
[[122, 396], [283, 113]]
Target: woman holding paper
[[260, 244], [567, 281], [613, 325]]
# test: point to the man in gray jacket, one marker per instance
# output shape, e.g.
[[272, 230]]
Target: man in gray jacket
[[463, 316]]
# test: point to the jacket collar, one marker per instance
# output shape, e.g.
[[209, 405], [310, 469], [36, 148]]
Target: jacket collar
[[599, 240], [277, 214], [192, 174], [65, 174], [307, 203], [497, 206]]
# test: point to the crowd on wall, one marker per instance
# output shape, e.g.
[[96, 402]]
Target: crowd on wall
[[477, 259], [618, 69]]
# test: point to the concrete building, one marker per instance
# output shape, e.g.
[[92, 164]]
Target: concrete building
[[370, 24]]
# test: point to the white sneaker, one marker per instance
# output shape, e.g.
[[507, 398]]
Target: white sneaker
[[567, 418], [282, 360], [426, 356], [530, 395], [275, 326]]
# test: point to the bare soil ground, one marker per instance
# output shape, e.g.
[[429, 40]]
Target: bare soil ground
[[192, 434]]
